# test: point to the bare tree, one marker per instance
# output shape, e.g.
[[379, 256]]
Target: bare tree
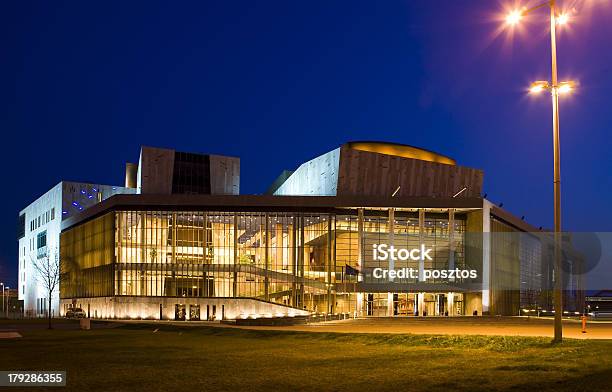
[[47, 267]]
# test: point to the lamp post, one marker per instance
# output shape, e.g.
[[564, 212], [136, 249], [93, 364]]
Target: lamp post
[[2, 284], [556, 88], [6, 306]]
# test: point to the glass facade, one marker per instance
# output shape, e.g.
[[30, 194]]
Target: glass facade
[[305, 260]]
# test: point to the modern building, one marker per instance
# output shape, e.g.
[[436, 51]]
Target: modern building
[[39, 236], [165, 171], [369, 229], [160, 171]]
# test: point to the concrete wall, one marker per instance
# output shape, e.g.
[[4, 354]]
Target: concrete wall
[[30, 287], [366, 173], [66, 199], [149, 307], [224, 175], [350, 172], [131, 175], [472, 302], [156, 172], [317, 177], [155, 169]]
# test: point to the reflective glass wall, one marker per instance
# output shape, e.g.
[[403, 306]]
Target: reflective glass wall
[[305, 260]]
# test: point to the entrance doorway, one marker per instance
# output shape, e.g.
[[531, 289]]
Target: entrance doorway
[[194, 312], [413, 304], [179, 312], [404, 304]]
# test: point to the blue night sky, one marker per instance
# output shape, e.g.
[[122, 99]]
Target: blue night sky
[[84, 84]]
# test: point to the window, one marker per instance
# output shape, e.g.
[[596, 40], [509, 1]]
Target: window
[[41, 239], [191, 174], [52, 213]]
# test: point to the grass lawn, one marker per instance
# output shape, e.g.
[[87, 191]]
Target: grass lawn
[[133, 357]]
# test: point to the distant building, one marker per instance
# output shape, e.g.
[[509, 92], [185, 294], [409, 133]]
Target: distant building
[[599, 304], [12, 306]]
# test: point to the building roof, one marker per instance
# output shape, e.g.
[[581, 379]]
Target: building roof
[[266, 202], [247, 203], [401, 150]]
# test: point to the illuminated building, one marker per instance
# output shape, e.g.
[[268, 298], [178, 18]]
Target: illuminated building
[[39, 236], [159, 171], [185, 253]]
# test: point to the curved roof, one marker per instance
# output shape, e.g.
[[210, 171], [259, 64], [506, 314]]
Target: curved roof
[[401, 150]]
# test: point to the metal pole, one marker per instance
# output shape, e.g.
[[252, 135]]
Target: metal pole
[[558, 296]]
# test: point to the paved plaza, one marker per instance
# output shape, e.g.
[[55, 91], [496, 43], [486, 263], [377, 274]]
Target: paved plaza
[[509, 326]]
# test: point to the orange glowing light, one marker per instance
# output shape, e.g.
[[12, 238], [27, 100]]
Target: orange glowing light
[[538, 87], [565, 89], [514, 17], [562, 19]]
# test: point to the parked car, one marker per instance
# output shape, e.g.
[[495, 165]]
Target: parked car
[[75, 313]]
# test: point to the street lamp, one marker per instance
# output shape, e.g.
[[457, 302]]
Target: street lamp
[[2, 284], [6, 307], [556, 88]]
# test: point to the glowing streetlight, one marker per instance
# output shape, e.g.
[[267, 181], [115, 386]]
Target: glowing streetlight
[[563, 88], [514, 17], [566, 87], [556, 89], [538, 87], [562, 19]]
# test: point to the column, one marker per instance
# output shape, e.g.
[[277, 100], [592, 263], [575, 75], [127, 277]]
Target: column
[[450, 304], [333, 262], [174, 266], [360, 250], [235, 257], [451, 240], [301, 263], [207, 246], [486, 255], [391, 265], [360, 261], [421, 241], [391, 234], [291, 239], [330, 304], [266, 259], [278, 255], [420, 303]]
